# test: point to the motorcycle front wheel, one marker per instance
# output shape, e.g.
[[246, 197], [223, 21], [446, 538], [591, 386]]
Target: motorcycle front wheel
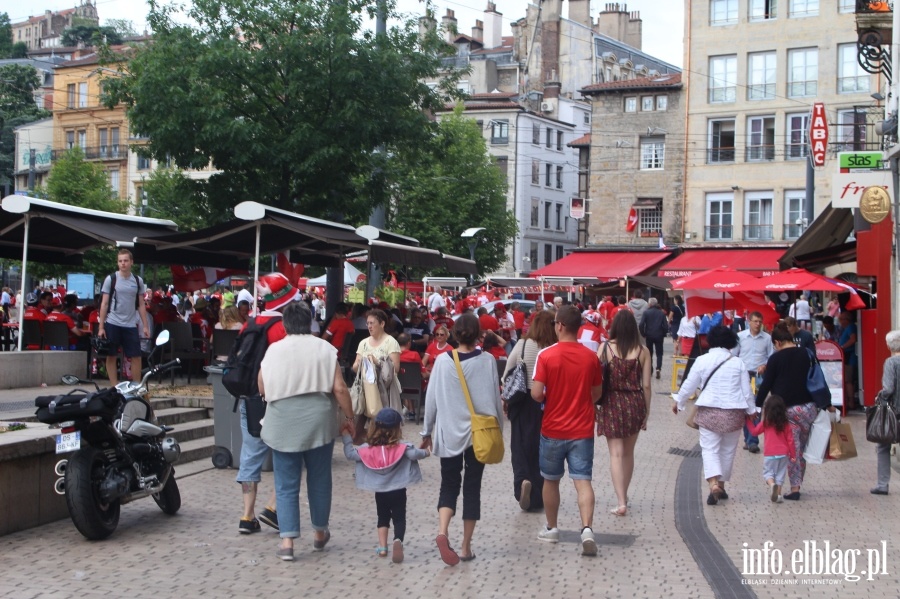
[[169, 498], [92, 517]]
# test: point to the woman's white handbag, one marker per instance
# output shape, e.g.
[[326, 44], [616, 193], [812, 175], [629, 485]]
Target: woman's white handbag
[[819, 436]]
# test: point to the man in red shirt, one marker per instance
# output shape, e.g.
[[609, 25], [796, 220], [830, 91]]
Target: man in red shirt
[[74, 332], [487, 321], [339, 327], [518, 317], [442, 319], [407, 354], [567, 379], [33, 312], [592, 334]]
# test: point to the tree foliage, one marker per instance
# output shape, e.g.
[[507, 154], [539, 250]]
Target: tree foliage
[[124, 27], [90, 35], [448, 185], [6, 36], [17, 107], [170, 194], [288, 99]]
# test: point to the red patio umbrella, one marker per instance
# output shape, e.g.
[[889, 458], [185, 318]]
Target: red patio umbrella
[[794, 279], [722, 289]]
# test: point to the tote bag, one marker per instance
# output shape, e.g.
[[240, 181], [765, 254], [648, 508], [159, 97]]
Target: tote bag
[[487, 439], [819, 436], [881, 422]]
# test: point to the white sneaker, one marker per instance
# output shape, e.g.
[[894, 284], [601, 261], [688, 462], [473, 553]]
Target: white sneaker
[[779, 499], [588, 544], [551, 535]]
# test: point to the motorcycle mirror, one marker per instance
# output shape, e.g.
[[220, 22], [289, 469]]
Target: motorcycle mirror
[[162, 338], [70, 379]]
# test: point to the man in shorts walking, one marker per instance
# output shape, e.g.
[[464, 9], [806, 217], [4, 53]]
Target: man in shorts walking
[[121, 310], [567, 378]]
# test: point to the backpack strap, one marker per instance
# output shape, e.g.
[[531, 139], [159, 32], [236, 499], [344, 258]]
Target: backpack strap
[[112, 289]]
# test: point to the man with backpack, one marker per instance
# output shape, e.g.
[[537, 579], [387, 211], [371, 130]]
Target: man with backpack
[[240, 378], [121, 310]]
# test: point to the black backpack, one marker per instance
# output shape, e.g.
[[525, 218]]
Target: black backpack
[[247, 353], [112, 291]]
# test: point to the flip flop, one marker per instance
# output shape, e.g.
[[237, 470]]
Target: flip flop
[[447, 554], [381, 551], [466, 558]]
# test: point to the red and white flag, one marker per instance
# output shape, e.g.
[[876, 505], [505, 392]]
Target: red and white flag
[[291, 270], [194, 278], [632, 220]]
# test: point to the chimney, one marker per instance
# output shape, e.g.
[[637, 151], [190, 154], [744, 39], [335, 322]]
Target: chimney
[[550, 18], [427, 24], [493, 24], [478, 30], [448, 23], [616, 22], [580, 12]]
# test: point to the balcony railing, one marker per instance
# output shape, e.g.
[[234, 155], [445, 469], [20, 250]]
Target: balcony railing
[[793, 231], [758, 232], [760, 153], [868, 6], [719, 232], [110, 152], [723, 154], [792, 151]]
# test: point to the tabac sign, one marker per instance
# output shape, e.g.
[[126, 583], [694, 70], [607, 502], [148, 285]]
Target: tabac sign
[[818, 134]]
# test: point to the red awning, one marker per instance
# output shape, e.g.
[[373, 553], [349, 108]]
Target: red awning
[[756, 262], [606, 266]]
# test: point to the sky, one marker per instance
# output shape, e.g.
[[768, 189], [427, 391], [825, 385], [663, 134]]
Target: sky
[[663, 22]]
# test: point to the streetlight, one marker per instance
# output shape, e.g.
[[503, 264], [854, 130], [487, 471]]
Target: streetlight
[[470, 234]]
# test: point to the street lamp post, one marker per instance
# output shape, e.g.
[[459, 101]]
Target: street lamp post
[[470, 234]]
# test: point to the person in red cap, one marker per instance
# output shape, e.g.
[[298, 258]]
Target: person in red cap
[[592, 334], [277, 292]]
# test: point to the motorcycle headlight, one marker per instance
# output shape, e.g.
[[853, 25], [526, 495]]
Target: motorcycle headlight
[[171, 450]]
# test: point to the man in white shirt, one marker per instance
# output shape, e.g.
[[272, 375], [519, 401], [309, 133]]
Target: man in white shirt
[[435, 301], [754, 348]]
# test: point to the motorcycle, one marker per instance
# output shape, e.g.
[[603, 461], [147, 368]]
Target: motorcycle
[[120, 452]]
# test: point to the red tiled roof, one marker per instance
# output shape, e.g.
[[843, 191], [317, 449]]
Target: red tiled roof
[[494, 95], [582, 142], [94, 58], [669, 80]]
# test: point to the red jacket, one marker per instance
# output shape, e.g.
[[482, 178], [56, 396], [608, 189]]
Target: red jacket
[[776, 443]]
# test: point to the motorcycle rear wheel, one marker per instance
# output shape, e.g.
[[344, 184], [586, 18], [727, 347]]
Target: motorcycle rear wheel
[[169, 498], [92, 517]]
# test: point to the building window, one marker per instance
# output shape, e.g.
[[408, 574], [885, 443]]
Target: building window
[[82, 139], [559, 140], [502, 163], [535, 172], [653, 153], [722, 78], [796, 135], [646, 103], [82, 95], [650, 218], [761, 75], [851, 131], [762, 10], [114, 182], [559, 177], [533, 254], [662, 102], [547, 215], [758, 221], [535, 134], [587, 118], [723, 12], [794, 213], [559, 252], [104, 142], [549, 142], [143, 162], [760, 138], [535, 212], [559, 220], [846, 5], [548, 253], [851, 77], [721, 140], [803, 8], [718, 216], [70, 95], [803, 72], [70, 140], [499, 132], [631, 104], [548, 174]]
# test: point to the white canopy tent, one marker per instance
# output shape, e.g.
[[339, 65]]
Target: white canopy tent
[[351, 275]]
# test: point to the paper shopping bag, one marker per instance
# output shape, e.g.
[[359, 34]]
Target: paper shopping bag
[[819, 437], [841, 445]]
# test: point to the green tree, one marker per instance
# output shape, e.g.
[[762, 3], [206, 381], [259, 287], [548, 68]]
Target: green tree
[[123, 27], [19, 50], [448, 185], [288, 99], [17, 107], [90, 35], [6, 36], [170, 194]]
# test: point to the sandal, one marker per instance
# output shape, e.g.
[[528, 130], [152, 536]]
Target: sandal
[[381, 551], [449, 556], [619, 511]]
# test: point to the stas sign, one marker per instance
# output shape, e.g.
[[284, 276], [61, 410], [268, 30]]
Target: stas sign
[[818, 134]]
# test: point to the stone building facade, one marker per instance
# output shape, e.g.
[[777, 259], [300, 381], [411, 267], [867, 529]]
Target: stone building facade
[[44, 31]]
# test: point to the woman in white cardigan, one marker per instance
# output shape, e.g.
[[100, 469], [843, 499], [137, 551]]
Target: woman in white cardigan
[[448, 431], [724, 402]]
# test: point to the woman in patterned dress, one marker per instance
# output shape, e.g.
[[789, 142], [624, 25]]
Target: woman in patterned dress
[[626, 409]]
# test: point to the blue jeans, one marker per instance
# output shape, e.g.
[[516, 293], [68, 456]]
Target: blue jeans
[[253, 453], [288, 472], [577, 453]]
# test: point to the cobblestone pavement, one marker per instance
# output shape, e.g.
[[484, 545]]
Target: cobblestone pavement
[[199, 553]]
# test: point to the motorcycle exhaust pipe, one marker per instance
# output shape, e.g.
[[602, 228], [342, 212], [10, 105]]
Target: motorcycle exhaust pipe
[[60, 468], [141, 494], [60, 486]]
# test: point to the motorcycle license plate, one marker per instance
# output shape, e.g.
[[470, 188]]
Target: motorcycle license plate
[[68, 442]]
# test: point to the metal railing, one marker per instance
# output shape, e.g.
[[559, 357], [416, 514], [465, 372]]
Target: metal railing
[[758, 232], [793, 231], [719, 232], [760, 153], [715, 155], [110, 152]]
